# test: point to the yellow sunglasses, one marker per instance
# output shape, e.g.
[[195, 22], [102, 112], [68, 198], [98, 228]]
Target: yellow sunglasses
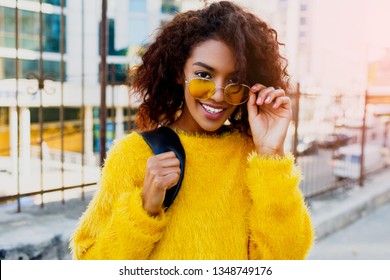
[[203, 89]]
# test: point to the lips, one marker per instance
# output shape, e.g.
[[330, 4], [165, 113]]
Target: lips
[[211, 109]]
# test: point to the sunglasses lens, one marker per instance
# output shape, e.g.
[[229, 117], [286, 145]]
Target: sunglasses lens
[[236, 94], [201, 89]]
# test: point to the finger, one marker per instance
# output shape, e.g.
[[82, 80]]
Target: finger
[[162, 160], [155, 172], [165, 182], [171, 162], [169, 170], [166, 155], [271, 95], [263, 94], [162, 182], [172, 180], [257, 88], [283, 101], [253, 110]]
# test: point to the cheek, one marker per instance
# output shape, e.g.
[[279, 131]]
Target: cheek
[[189, 99]]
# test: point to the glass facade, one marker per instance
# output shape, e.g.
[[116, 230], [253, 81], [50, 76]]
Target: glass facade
[[51, 114], [111, 40], [7, 68], [169, 6], [52, 32], [116, 73], [52, 2], [29, 30], [7, 27], [29, 39], [3, 116]]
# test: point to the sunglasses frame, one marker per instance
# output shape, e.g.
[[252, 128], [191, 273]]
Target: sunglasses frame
[[216, 88]]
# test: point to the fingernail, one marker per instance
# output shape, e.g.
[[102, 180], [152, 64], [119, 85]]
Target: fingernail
[[268, 100]]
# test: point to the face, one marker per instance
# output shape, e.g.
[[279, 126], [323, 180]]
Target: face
[[212, 60]]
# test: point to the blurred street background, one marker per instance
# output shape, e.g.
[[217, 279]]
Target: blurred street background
[[366, 239], [64, 101]]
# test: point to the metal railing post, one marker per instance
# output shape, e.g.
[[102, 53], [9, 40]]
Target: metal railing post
[[361, 176], [103, 81], [296, 120]]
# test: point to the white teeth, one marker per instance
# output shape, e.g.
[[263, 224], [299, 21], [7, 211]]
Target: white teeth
[[211, 109]]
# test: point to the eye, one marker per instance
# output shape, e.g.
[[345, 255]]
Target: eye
[[204, 75], [233, 81]]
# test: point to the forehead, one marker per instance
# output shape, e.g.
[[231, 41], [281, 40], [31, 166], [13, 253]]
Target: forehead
[[214, 53]]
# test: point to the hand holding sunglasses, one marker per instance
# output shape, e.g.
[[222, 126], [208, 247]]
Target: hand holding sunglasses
[[269, 115]]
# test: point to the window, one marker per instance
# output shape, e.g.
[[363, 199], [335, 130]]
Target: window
[[283, 3], [138, 6], [116, 73], [355, 159], [4, 116], [7, 68], [29, 30], [138, 31], [27, 67], [169, 6], [52, 32], [111, 41], [52, 2], [52, 114], [7, 27]]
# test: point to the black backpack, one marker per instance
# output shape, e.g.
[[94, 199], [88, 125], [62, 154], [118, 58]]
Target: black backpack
[[161, 140]]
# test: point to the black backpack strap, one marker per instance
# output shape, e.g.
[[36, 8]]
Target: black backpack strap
[[162, 140]]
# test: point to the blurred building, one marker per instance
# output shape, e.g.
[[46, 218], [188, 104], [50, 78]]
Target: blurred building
[[379, 71], [60, 39]]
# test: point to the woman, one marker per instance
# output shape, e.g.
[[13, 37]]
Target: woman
[[216, 77]]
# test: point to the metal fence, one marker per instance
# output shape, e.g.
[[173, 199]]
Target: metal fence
[[337, 139], [51, 126]]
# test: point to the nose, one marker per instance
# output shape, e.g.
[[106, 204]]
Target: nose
[[218, 95]]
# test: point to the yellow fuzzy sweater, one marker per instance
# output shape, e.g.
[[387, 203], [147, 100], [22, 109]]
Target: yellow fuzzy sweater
[[233, 204]]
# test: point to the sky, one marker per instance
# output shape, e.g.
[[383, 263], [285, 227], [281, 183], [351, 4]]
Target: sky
[[347, 35], [378, 26]]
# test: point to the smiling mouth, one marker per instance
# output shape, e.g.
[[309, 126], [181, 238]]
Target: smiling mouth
[[211, 110]]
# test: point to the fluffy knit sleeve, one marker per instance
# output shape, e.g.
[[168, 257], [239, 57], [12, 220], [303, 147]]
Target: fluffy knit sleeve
[[115, 225], [280, 225]]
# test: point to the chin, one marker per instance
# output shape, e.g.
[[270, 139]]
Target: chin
[[210, 129]]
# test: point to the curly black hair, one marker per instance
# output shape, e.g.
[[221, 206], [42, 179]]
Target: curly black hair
[[254, 43]]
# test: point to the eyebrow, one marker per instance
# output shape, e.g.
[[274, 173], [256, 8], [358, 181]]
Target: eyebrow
[[208, 67]]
